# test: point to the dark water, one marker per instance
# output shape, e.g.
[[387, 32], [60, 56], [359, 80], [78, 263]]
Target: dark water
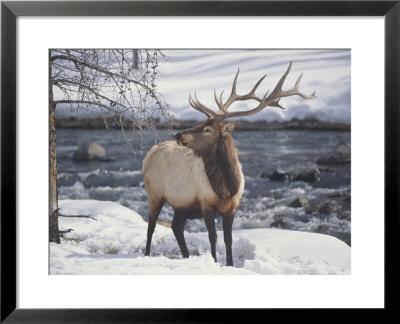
[[320, 204]]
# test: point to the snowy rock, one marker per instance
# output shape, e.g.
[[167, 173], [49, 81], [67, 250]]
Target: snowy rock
[[279, 222], [91, 151], [278, 175]]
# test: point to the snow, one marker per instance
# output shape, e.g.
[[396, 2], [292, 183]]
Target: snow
[[114, 242]]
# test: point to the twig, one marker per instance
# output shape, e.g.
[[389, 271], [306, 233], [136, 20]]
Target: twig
[[80, 216], [66, 231]]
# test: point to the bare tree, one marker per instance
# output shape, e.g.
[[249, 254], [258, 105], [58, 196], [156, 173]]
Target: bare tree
[[118, 82]]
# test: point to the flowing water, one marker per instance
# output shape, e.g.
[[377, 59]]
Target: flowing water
[[309, 197]]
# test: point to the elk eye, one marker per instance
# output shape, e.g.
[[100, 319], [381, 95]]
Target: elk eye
[[207, 130]]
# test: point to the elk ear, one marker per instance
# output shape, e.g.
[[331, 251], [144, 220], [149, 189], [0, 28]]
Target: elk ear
[[227, 128]]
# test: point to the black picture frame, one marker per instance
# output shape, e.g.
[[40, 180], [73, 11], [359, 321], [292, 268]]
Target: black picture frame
[[9, 13]]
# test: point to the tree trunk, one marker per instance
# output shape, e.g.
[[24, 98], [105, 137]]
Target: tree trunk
[[54, 235]]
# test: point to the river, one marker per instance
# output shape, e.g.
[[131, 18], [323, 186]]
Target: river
[[284, 188]]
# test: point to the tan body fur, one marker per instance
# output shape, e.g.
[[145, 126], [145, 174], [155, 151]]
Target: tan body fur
[[176, 175]]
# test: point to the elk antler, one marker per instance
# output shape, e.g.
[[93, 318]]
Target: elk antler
[[271, 100], [196, 104]]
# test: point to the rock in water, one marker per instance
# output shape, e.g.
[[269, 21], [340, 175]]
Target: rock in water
[[298, 202], [342, 155], [309, 176], [90, 151], [280, 175], [329, 208]]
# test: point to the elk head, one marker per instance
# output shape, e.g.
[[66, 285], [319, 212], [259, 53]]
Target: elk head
[[205, 135]]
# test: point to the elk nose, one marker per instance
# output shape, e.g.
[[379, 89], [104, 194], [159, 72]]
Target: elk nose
[[178, 136]]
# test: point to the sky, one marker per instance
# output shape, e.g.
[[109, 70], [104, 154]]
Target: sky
[[326, 71]]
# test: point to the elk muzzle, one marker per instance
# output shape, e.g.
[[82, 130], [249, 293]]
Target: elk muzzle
[[181, 140]]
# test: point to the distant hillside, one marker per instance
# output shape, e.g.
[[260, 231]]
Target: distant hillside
[[293, 124]]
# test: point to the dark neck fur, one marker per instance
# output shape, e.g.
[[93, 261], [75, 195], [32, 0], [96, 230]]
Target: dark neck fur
[[221, 165]]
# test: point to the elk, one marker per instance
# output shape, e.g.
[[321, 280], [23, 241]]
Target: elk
[[199, 174]]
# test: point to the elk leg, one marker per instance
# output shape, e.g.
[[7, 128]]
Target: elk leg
[[212, 233], [178, 226], [154, 212], [227, 220]]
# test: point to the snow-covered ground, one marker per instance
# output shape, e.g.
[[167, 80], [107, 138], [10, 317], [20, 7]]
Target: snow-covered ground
[[115, 241]]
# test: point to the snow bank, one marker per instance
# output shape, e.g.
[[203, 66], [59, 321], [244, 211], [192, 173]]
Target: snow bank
[[115, 241]]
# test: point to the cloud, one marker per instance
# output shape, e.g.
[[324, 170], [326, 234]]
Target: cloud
[[202, 71]]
